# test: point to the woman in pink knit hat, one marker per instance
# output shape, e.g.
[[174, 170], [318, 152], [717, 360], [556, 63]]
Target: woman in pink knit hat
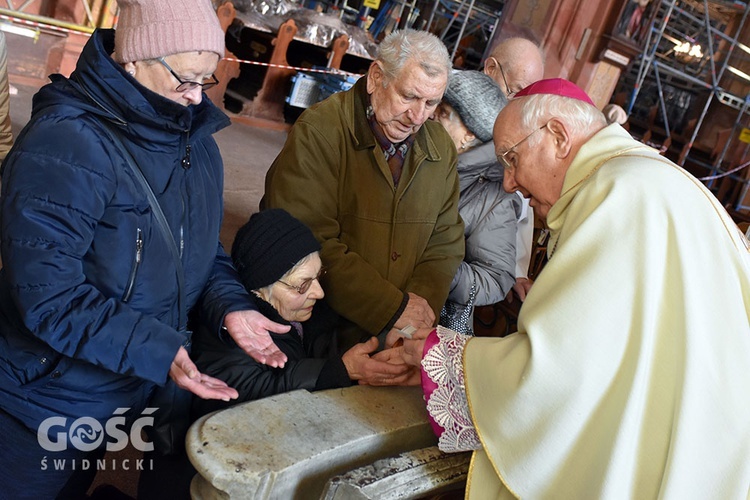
[[111, 209]]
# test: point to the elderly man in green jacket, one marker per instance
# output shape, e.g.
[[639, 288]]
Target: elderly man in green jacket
[[376, 181]]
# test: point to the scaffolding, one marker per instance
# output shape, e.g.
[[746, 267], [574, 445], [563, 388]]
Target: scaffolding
[[692, 50], [464, 18], [99, 14], [452, 21]]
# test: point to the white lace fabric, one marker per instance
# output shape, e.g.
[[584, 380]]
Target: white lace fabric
[[447, 404]]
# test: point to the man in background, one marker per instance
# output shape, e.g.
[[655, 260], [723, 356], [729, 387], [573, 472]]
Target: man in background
[[514, 64], [376, 181]]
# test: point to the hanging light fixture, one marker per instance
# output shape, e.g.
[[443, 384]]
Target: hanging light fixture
[[687, 52]]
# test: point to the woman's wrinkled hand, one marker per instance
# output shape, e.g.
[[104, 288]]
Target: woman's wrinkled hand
[[186, 375], [250, 330]]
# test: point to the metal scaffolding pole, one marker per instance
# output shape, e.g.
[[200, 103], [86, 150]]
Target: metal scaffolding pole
[[461, 30], [41, 20], [651, 61], [18, 13], [653, 38], [471, 17]]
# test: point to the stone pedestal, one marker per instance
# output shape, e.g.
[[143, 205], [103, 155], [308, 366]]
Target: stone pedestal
[[288, 446], [422, 473]]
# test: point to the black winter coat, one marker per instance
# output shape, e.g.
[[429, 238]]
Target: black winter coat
[[313, 362]]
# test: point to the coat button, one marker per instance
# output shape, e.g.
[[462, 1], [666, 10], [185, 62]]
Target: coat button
[[56, 374], [395, 256], [42, 360]]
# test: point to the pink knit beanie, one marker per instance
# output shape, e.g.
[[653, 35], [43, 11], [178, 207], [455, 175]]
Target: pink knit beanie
[[149, 29]]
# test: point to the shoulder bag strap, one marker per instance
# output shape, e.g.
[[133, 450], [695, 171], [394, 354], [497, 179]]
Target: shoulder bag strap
[[161, 220]]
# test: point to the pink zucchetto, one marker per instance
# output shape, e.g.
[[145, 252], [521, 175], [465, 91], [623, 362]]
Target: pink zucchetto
[[150, 29], [556, 86]]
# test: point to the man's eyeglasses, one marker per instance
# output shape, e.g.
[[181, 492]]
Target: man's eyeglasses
[[186, 85], [510, 164], [508, 92], [305, 285]]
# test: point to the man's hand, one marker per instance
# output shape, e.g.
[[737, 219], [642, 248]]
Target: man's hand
[[417, 313], [396, 356], [186, 375], [521, 287], [249, 329], [376, 370]]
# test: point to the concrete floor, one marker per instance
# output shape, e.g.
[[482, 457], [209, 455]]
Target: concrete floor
[[247, 151]]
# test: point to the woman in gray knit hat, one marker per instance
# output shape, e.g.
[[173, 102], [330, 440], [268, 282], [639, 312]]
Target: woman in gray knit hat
[[470, 105]]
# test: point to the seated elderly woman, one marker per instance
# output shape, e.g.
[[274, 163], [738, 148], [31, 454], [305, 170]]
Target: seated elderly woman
[[470, 105], [277, 260]]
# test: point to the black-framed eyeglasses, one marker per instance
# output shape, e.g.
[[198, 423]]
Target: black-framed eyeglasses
[[505, 162], [306, 284], [186, 85], [508, 92]]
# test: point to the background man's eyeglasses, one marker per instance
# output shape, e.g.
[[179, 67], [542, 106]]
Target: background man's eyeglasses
[[186, 85], [508, 92]]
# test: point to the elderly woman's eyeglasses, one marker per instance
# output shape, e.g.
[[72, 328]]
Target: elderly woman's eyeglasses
[[306, 284], [508, 163], [186, 85]]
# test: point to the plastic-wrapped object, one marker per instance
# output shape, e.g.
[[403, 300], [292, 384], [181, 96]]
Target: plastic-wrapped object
[[361, 43], [305, 91], [264, 7], [313, 27], [330, 83], [309, 88], [321, 29], [263, 15]]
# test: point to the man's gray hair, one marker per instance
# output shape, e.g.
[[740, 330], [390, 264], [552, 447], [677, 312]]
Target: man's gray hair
[[424, 47], [580, 117]]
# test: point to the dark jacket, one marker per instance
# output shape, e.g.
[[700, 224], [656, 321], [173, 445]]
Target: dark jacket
[[313, 362], [88, 293], [378, 241]]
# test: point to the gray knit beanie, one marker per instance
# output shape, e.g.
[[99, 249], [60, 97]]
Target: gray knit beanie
[[477, 99], [150, 29], [269, 245]]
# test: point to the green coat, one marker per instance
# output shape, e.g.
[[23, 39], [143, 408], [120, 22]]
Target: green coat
[[378, 242]]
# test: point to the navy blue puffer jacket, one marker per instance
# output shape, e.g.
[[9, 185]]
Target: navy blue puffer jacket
[[88, 293]]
